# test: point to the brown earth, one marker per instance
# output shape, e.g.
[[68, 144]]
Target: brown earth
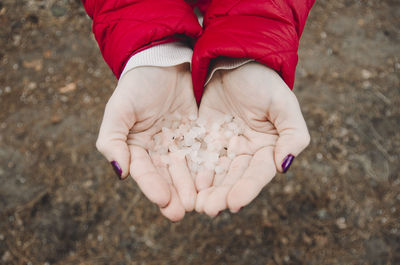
[[61, 204]]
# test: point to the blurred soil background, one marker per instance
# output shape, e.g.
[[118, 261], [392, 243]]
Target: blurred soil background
[[60, 202]]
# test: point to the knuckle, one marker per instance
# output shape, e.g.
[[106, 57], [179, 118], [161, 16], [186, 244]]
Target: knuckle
[[101, 145], [304, 139]]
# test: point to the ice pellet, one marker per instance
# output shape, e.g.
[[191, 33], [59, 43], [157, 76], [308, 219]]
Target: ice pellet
[[204, 145]]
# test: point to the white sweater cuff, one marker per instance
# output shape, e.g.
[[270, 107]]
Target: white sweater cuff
[[175, 53], [163, 55], [225, 63]]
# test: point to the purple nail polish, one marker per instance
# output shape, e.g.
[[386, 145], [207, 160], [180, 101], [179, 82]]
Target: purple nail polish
[[287, 162], [117, 168]]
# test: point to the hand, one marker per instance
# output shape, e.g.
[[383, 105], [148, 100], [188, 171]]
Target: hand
[[274, 130], [133, 115]]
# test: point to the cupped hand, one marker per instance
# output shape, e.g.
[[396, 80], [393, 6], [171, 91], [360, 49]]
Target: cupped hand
[[274, 133], [133, 115]]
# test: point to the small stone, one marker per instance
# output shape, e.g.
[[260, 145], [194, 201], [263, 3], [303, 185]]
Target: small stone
[[366, 74], [36, 64], [6, 256], [31, 85], [17, 40], [341, 223], [288, 189], [87, 99], [47, 54], [87, 184], [55, 119], [68, 88], [323, 35], [322, 213], [284, 240], [57, 10], [22, 180], [335, 74], [366, 84]]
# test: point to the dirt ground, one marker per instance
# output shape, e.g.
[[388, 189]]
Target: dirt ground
[[60, 202]]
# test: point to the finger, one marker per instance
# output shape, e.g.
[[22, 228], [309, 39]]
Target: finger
[[217, 199], [201, 199], [204, 179], [153, 185], [117, 120], [221, 169], [182, 180], [174, 211], [292, 129], [239, 145], [259, 173], [215, 202]]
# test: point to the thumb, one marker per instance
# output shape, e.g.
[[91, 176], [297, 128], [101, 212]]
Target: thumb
[[292, 129], [117, 120]]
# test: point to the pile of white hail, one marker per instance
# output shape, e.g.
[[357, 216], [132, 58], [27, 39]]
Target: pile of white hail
[[205, 146]]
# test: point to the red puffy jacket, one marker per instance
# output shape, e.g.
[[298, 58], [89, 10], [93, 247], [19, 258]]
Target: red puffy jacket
[[265, 30]]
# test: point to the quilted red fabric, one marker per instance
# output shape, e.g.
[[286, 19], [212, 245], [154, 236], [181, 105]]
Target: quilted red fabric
[[125, 27], [265, 30]]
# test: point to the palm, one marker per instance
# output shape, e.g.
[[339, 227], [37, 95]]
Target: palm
[[143, 98], [249, 94]]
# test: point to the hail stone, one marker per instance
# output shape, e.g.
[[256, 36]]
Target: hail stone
[[203, 145]]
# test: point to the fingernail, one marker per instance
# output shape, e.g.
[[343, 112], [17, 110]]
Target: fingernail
[[117, 169], [287, 162]]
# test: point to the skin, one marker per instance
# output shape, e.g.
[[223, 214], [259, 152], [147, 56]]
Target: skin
[[252, 93], [274, 128], [132, 117]]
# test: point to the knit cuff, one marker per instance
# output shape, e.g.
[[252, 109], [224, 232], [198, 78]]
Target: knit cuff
[[163, 55], [225, 63], [175, 53]]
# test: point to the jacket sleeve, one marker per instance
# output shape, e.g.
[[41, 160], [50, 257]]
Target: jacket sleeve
[[123, 28], [267, 31]]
